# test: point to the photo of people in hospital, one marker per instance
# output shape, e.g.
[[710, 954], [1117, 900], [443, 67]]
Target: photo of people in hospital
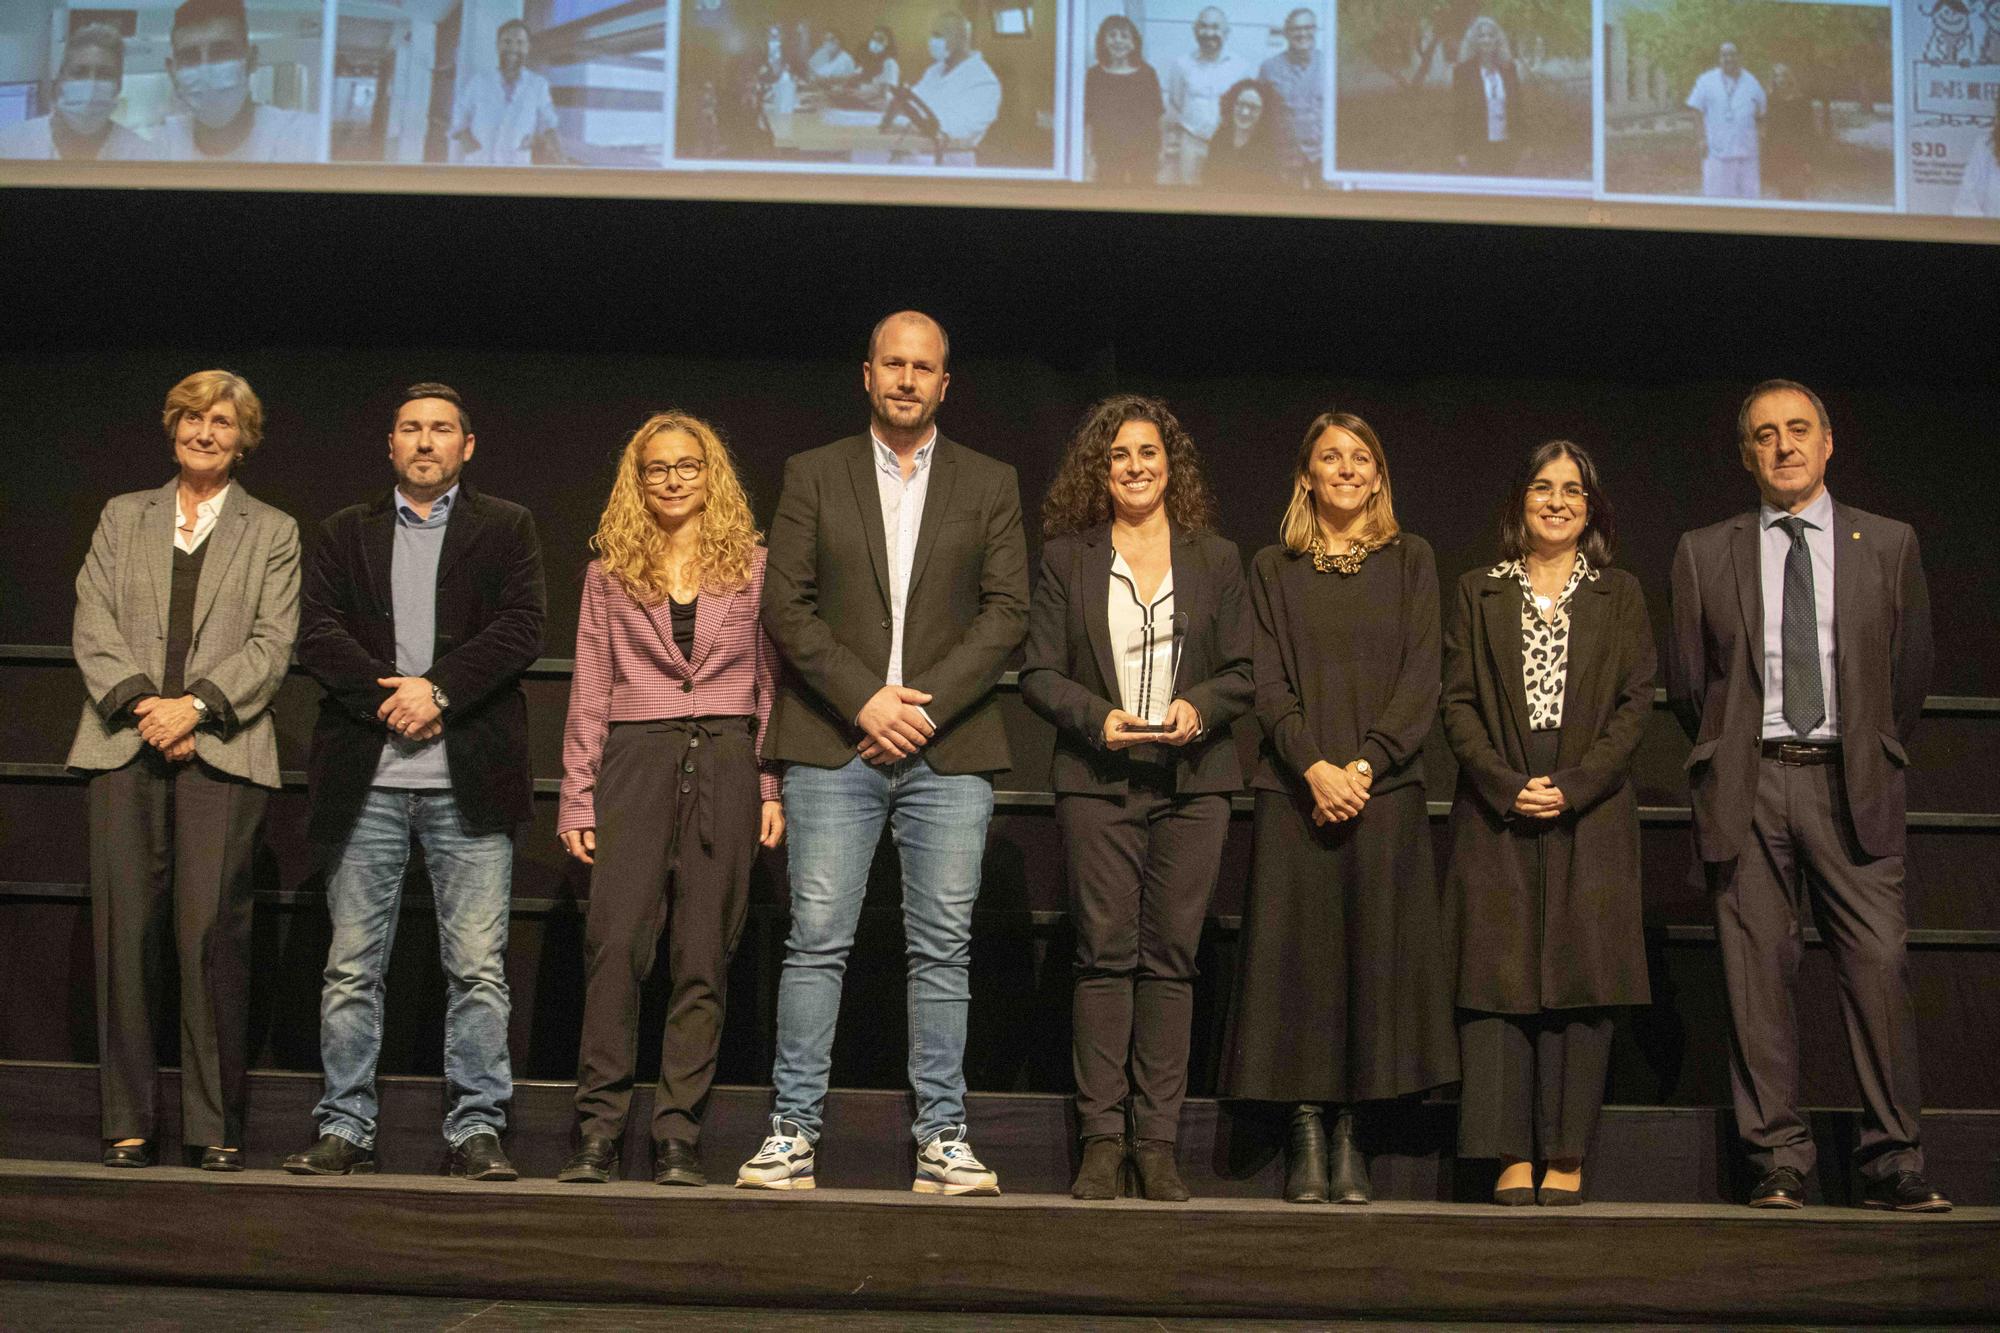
[[500, 83], [1465, 88], [161, 80], [914, 85], [1765, 101], [1188, 93]]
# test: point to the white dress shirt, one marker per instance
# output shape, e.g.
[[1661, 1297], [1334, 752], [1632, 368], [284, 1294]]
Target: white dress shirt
[[1195, 87], [902, 517], [1773, 546], [1149, 671], [205, 514]]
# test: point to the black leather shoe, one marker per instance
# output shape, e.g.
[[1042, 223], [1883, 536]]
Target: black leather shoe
[[677, 1162], [222, 1159], [1305, 1157], [1514, 1196], [1159, 1174], [1558, 1198], [132, 1154], [1103, 1163], [332, 1156], [1348, 1169], [1905, 1192], [480, 1158], [1781, 1187], [594, 1162]]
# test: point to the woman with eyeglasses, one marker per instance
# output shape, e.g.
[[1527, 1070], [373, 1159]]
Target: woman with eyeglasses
[[664, 792], [1548, 685]]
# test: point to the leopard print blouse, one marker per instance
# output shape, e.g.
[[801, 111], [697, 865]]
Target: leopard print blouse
[[1544, 642]]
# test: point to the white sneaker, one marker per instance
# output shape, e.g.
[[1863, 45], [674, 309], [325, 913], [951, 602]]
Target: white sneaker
[[785, 1162], [947, 1165]]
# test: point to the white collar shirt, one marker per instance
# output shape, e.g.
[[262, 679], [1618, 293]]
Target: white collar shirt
[[205, 515], [902, 517], [1142, 642]]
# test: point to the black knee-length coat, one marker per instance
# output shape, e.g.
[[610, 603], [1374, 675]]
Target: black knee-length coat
[[1555, 925]]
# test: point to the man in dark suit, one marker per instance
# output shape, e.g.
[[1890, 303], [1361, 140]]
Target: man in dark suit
[[1801, 652], [896, 589], [421, 610]]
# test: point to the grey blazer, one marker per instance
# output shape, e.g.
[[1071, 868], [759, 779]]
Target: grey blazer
[[246, 615]]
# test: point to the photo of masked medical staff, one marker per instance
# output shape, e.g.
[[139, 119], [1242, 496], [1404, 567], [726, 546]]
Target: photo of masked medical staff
[[179, 80]]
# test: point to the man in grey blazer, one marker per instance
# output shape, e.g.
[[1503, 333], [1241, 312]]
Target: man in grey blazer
[[186, 608], [1800, 656], [896, 589]]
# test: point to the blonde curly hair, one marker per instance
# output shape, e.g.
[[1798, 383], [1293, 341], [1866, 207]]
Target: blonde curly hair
[[629, 541]]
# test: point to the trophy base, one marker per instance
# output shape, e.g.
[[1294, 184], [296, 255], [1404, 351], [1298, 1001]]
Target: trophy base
[[1145, 729]]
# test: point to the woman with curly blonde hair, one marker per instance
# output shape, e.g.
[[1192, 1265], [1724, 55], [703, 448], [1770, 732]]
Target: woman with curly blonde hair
[[1139, 652], [664, 789]]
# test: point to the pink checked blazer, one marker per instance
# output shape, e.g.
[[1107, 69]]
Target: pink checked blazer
[[629, 669]]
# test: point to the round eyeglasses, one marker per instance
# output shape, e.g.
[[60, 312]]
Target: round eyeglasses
[[687, 469]]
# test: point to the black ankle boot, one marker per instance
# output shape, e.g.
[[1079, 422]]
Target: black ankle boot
[[1305, 1158], [1349, 1171], [1159, 1174], [1103, 1164]]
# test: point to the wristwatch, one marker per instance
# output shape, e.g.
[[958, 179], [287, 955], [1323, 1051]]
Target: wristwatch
[[200, 709], [439, 697], [1365, 769]]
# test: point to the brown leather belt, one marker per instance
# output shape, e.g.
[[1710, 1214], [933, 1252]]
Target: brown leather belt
[[1802, 752]]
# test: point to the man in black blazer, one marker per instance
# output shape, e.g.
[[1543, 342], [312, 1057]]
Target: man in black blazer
[[896, 589], [1800, 656], [421, 610]]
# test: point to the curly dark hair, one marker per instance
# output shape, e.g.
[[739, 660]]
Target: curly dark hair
[[1599, 542], [1080, 497]]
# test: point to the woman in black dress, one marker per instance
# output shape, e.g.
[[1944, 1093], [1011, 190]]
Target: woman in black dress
[[1548, 687], [1121, 107], [1248, 150], [1344, 985]]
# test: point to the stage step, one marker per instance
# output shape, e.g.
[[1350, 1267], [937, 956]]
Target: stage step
[[48, 1112]]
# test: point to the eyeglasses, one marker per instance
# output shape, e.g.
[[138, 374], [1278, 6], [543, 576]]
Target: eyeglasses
[[1541, 492], [687, 469]]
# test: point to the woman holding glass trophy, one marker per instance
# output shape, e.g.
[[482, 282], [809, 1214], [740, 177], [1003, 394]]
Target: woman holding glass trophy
[[1138, 652]]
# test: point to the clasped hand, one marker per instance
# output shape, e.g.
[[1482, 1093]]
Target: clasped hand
[[893, 725], [1338, 793], [410, 712], [168, 725], [1183, 725], [1540, 799]]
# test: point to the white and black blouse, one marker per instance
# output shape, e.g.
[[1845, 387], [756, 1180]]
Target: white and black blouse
[[1544, 641]]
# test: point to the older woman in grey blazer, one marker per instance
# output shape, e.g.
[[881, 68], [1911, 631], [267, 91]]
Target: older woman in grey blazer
[[186, 609]]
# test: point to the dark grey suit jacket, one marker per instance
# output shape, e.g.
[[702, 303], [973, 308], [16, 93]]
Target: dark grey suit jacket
[[1882, 662], [826, 603], [1069, 673]]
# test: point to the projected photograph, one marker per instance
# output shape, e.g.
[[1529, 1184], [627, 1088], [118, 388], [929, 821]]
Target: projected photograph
[[195, 81], [1951, 160], [921, 85], [509, 83], [1181, 92], [1763, 100]]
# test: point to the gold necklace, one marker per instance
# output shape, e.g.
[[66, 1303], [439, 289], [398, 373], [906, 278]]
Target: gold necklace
[[1327, 563]]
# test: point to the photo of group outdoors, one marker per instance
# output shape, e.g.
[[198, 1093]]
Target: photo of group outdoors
[[1750, 100], [1180, 92], [1951, 159], [919, 85], [161, 80], [1455, 88]]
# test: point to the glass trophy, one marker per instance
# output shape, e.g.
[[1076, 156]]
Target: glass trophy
[[1149, 666]]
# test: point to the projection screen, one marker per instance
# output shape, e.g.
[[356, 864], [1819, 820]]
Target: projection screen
[[1822, 117]]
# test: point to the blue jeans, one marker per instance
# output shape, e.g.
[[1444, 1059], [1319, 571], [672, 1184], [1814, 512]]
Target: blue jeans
[[833, 819], [471, 879]]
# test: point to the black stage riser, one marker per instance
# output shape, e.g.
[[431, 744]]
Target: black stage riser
[[48, 1112]]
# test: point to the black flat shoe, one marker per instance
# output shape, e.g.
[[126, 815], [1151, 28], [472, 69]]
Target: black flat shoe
[[1159, 1174], [131, 1154], [1097, 1176], [1549, 1197], [1305, 1157], [1782, 1187], [594, 1162], [332, 1156], [222, 1159], [1517, 1196], [480, 1157], [677, 1162], [1347, 1169], [1905, 1192]]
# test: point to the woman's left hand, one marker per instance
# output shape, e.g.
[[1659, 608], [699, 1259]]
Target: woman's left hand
[[1183, 723], [771, 824]]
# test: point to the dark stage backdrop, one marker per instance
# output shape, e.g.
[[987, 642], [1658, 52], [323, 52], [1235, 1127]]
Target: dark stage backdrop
[[564, 322]]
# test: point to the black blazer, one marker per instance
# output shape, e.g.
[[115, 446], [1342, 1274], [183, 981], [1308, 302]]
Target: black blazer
[[826, 603], [1070, 670], [1882, 662], [490, 606], [1468, 105]]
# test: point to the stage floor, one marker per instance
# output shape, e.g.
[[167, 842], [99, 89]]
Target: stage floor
[[535, 1240]]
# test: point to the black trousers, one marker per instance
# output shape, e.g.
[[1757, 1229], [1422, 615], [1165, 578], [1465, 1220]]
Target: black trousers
[[1534, 1083], [1141, 872], [677, 820], [171, 848], [1804, 849]]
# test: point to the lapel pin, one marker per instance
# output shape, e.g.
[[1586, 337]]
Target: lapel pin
[[1857, 536]]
